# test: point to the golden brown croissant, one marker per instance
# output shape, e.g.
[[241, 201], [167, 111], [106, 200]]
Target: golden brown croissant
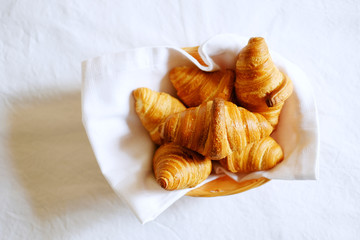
[[256, 156], [176, 167], [153, 107], [260, 86], [195, 86], [215, 129]]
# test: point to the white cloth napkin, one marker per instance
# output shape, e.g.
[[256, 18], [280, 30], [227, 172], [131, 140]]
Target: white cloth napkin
[[123, 147]]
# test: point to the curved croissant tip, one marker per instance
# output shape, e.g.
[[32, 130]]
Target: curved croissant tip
[[141, 93], [256, 39], [270, 102], [164, 183], [137, 92]]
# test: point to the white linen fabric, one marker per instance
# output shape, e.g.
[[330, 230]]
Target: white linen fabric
[[123, 147]]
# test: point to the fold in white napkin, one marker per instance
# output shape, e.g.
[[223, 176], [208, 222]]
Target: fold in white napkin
[[122, 146]]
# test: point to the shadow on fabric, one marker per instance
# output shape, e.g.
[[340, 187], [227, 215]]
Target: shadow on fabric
[[54, 160]]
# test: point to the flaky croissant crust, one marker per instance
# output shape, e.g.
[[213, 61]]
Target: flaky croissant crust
[[214, 129], [153, 107], [260, 86], [257, 156], [176, 167], [195, 86]]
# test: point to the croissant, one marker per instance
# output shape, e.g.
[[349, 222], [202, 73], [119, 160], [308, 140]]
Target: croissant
[[153, 107], [195, 86], [257, 156], [260, 86], [215, 129], [176, 167]]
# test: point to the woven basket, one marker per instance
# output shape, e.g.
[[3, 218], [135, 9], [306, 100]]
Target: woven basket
[[226, 186]]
